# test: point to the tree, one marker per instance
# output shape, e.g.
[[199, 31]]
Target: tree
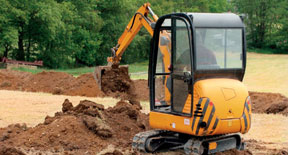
[[8, 33], [264, 20]]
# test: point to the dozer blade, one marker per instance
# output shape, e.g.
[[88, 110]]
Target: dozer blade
[[100, 70]]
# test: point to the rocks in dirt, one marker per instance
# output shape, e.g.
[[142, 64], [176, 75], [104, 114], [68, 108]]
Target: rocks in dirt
[[4, 150], [98, 126], [12, 130], [4, 136], [67, 106], [5, 84], [92, 116]]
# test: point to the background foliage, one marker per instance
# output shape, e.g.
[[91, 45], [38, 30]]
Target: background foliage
[[73, 33]]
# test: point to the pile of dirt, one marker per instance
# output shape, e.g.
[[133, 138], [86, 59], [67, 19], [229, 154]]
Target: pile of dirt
[[84, 85], [86, 128], [116, 83], [13, 80], [269, 103]]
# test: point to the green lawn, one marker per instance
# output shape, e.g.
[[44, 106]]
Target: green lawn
[[138, 70], [267, 73]]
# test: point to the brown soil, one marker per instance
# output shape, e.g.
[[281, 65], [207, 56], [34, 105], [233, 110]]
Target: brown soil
[[235, 152], [84, 129], [142, 89], [269, 103], [116, 83], [259, 147]]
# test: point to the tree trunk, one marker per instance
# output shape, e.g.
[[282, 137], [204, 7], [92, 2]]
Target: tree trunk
[[20, 54], [28, 48], [6, 51]]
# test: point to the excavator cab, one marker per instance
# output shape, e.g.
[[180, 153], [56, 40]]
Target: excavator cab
[[198, 48], [197, 99]]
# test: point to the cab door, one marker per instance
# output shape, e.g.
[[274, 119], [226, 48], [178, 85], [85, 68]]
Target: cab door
[[181, 66]]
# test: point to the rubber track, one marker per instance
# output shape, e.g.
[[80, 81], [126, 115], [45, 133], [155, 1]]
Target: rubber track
[[139, 139]]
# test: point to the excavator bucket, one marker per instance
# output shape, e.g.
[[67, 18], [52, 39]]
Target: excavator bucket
[[100, 70]]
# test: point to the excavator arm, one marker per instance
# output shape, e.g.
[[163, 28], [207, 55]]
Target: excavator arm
[[139, 20]]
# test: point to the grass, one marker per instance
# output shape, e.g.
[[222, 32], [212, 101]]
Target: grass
[[74, 71], [267, 51], [267, 73], [136, 69]]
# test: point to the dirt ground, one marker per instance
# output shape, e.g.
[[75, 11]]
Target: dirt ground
[[86, 126]]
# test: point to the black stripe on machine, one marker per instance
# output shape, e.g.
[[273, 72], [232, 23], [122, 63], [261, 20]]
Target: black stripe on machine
[[215, 125], [210, 118], [245, 121], [199, 102], [201, 118]]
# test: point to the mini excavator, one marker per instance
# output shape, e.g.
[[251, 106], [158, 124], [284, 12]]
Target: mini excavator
[[197, 62]]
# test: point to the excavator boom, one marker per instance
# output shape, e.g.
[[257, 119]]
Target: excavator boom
[[139, 20]]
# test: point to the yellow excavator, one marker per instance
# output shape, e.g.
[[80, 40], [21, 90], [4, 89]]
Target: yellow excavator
[[197, 63]]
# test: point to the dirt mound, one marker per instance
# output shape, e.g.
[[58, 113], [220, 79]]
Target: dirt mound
[[84, 85], [142, 89], [55, 82], [116, 83], [12, 80], [63, 83], [87, 127], [269, 103]]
